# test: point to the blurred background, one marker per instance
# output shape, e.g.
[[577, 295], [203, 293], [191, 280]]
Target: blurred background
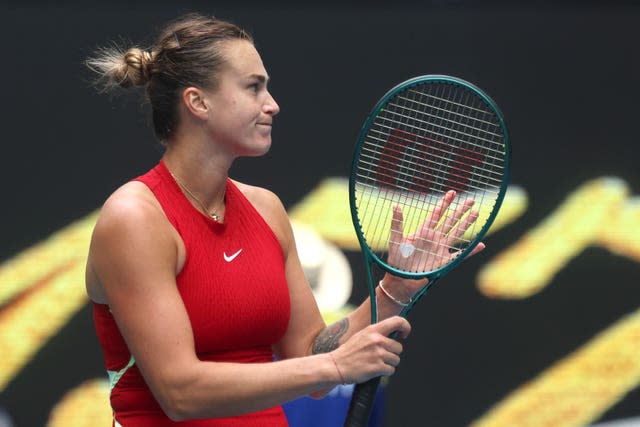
[[542, 328]]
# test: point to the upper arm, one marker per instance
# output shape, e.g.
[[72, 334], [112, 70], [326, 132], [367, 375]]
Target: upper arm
[[134, 254], [306, 321]]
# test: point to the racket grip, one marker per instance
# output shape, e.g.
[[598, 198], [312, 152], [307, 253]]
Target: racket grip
[[362, 400]]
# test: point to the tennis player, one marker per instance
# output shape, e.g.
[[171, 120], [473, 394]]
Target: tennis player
[[200, 303]]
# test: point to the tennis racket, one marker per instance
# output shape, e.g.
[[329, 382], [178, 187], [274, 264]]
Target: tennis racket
[[429, 174]]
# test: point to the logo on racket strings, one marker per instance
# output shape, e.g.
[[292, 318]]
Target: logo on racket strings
[[422, 164]]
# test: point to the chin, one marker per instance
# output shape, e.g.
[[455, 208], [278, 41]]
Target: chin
[[257, 150]]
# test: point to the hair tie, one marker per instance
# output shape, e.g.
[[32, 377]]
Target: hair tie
[[338, 369]]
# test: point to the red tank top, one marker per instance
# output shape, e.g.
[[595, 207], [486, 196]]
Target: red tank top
[[234, 288]]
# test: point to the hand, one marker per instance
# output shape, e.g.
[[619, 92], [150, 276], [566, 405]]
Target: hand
[[429, 248], [371, 353]]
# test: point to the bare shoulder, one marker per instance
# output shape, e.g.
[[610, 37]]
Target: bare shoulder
[[131, 226], [133, 204]]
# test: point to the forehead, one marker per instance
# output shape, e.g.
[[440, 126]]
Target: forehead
[[243, 59]]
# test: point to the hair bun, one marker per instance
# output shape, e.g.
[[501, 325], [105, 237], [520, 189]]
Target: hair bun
[[135, 67], [116, 67]]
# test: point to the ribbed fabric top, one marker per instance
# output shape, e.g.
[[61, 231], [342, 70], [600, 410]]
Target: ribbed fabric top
[[234, 289]]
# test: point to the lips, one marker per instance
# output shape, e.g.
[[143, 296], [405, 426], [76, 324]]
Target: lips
[[264, 127]]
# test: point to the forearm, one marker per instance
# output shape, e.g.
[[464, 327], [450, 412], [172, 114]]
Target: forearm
[[214, 389], [337, 333]]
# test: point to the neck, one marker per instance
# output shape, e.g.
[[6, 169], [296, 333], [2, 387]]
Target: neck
[[203, 174]]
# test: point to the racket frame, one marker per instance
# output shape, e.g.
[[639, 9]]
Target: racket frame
[[364, 394], [369, 255]]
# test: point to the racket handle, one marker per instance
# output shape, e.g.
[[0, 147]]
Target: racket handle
[[361, 405]]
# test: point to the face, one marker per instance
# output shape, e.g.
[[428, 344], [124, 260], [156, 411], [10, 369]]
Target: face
[[241, 109]]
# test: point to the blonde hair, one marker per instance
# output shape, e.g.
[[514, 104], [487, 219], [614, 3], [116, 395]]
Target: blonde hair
[[121, 68], [187, 53]]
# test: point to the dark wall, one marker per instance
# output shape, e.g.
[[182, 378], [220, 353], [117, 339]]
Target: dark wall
[[564, 74]]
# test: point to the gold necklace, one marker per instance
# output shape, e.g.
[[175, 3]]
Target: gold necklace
[[213, 215]]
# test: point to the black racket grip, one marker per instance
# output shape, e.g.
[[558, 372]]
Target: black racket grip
[[364, 395]]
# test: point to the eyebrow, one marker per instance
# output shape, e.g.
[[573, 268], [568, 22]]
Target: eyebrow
[[261, 78]]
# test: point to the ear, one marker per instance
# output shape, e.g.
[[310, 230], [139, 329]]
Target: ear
[[194, 101]]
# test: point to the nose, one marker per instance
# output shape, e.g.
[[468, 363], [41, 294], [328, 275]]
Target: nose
[[271, 106]]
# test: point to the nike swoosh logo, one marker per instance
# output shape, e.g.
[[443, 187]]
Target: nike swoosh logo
[[230, 258]]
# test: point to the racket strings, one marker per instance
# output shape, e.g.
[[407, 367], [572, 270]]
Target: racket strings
[[415, 162], [425, 141], [489, 175], [430, 251], [451, 118], [465, 129], [450, 101], [383, 131]]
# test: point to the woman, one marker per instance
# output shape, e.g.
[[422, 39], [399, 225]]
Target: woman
[[196, 284]]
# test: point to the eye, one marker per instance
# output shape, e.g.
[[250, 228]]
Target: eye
[[255, 87]]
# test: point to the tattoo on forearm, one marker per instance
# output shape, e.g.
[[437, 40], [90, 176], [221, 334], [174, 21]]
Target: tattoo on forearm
[[329, 338]]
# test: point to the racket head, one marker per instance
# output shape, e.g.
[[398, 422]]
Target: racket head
[[425, 136]]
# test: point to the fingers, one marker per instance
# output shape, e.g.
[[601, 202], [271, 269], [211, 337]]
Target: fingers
[[457, 223], [389, 349], [371, 352], [464, 225], [454, 219], [479, 248], [442, 206], [394, 348], [392, 360], [395, 324], [397, 227]]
